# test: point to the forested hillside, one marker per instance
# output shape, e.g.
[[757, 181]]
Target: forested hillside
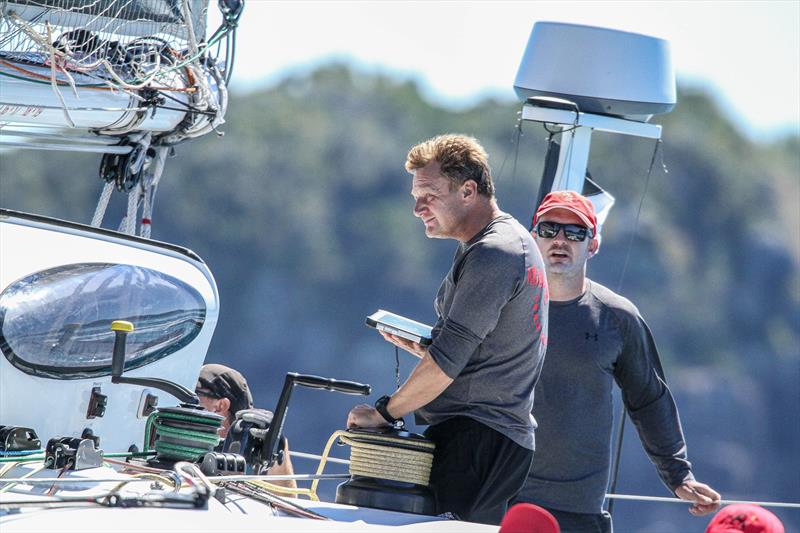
[[302, 211]]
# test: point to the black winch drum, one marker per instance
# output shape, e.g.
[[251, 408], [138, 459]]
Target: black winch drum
[[380, 454]]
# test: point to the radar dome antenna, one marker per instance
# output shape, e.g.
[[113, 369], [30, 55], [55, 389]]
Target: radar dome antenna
[[577, 79], [603, 71]]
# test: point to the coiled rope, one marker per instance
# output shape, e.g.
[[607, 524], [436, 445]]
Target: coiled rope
[[383, 457], [180, 435], [387, 457]]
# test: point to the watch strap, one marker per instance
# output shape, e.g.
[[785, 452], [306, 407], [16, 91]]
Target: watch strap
[[381, 405]]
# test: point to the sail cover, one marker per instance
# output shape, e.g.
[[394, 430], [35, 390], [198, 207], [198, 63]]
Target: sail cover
[[128, 44]]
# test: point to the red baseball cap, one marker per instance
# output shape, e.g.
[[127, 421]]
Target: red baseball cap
[[571, 201], [744, 517], [528, 518]]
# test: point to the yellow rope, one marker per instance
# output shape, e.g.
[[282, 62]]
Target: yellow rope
[[324, 459], [383, 457], [145, 476], [29, 474], [7, 467], [271, 487], [381, 460]]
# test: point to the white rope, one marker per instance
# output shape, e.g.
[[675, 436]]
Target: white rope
[[677, 500], [53, 80], [102, 205], [152, 176], [147, 207], [128, 223], [315, 457]]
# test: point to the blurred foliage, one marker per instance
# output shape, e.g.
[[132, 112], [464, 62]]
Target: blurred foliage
[[303, 213]]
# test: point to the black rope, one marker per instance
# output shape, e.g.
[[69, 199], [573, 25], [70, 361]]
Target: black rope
[[514, 141], [207, 113], [397, 366], [187, 106], [231, 52], [516, 150], [557, 131], [623, 412]]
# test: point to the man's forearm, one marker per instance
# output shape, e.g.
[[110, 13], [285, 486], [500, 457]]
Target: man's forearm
[[426, 382]]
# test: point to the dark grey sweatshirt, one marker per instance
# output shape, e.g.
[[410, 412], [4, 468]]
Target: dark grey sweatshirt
[[595, 340], [491, 331]]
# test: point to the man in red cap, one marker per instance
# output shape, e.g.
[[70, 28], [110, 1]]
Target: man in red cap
[[597, 338]]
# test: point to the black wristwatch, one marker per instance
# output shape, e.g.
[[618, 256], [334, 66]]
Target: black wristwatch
[[380, 406]]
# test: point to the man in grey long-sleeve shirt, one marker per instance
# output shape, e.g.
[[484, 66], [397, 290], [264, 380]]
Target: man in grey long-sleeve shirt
[[596, 338], [474, 383]]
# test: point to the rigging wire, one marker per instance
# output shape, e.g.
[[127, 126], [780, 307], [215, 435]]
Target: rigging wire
[[664, 499], [274, 501], [639, 212], [622, 416], [515, 142]]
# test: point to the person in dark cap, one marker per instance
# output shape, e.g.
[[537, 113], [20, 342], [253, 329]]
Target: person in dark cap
[[224, 391], [597, 338]]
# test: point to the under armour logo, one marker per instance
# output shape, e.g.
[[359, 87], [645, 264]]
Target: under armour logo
[[591, 336]]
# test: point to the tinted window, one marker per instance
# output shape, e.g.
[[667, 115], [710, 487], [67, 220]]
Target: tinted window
[[57, 322]]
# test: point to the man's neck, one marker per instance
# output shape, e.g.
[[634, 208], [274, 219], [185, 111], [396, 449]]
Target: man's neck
[[484, 213], [563, 289]]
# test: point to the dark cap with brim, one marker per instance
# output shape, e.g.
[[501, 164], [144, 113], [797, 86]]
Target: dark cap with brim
[[220, 381]]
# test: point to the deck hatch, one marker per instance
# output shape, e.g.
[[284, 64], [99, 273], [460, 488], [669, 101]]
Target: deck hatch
[[56, 323]]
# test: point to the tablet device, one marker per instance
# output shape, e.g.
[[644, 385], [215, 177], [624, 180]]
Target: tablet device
[[400, 326]]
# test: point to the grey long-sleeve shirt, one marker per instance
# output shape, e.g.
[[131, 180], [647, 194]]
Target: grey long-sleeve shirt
[[491, 331], [595, 340]]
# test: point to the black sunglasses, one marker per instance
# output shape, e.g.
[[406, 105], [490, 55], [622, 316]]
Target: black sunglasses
[[573, 232]]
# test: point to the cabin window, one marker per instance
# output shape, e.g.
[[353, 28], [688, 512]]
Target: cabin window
[[57, 323]]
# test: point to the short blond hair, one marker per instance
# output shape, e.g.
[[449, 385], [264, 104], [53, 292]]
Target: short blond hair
[[461, 158]]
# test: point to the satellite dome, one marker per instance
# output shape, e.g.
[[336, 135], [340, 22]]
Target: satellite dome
[[604, 71]]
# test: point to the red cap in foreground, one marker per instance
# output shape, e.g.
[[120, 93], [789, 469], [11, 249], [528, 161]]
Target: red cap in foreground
[[744, 517], [528, 518]]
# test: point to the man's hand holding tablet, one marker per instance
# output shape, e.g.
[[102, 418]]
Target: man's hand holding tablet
[[404, 333]]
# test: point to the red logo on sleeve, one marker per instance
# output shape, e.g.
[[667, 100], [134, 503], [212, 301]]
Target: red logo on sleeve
[[537, 278]]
